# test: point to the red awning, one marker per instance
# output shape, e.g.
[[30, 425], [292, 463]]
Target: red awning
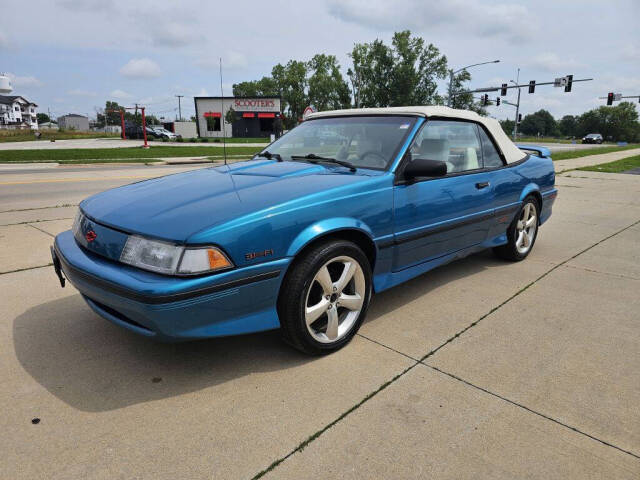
[[248, 115], [266, 115], [213, 114]]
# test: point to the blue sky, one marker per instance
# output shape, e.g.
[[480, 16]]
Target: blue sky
[[70, 56]]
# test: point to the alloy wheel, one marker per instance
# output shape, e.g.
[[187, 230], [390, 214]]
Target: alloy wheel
[[334, 299], [526, 228]]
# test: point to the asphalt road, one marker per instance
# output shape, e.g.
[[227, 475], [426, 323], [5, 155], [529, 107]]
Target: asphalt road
[[108, 143], [117, 143], [479, 369]]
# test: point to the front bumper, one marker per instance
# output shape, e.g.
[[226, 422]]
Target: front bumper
[[173, 308]]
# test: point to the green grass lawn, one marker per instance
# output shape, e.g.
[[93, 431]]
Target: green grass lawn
[[132, 154], [590, 151], [615, 167]]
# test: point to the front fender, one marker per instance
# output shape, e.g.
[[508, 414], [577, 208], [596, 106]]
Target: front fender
[[325, 227]]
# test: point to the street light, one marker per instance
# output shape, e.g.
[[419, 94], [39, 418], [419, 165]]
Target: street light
[[515, 124], [452, 73]]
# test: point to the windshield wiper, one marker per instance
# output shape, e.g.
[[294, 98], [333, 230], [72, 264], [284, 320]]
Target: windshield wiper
[[268, 155], [313, 158]]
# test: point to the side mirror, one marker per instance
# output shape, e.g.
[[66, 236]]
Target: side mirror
[[422, 167]]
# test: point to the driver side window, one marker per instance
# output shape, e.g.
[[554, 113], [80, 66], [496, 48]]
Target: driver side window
[[454, 142]]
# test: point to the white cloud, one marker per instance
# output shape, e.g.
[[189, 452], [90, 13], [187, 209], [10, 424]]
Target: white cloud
[[26, 81], [551, 62], [630, 53], [4, 42], [78, 92], [469, 16], [121, 95], [141, 68], [232, 60], [173, 34]]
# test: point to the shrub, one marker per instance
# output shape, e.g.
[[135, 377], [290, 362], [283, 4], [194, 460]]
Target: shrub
[[193, 140], [204, 140], [179, 139]]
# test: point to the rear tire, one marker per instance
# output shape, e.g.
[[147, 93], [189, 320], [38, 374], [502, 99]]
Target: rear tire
[[522, 233], [324, 297]]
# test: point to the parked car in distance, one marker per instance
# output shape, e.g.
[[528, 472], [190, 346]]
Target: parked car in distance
[[162, 132], [348, 204], [592, 138]]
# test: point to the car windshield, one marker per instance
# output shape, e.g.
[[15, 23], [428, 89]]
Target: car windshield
[[593, 135], [363, 141]]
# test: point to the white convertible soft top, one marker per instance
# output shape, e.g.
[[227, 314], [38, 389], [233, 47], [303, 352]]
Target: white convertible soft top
[[510, 151]]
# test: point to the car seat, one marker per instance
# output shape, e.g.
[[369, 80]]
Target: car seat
[[435, 149]]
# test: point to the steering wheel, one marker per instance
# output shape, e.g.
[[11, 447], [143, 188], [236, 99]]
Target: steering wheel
[[376, 159]]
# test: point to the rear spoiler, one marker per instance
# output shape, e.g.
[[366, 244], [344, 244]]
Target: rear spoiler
[[535, 150]]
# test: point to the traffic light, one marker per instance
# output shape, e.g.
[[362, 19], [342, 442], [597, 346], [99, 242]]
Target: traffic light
[[503, 90], [610, 98], [532, 86], [567, 87], [497, 101], [485, 99], [519, 118]]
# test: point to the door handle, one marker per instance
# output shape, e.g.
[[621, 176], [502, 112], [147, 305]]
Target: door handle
[[481, 185]]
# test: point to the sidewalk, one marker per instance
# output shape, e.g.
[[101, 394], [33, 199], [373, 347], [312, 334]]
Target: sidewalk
[[573, 163]]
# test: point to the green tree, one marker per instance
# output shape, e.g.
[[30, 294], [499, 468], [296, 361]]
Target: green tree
[[404, 73], [230, 116], [42, 118], [568, 125], [291, 81], [327, 88], [507, 126], [619, 123], [539, 123], [371, 74], [265, 87]]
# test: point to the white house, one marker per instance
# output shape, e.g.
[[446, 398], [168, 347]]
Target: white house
[[17, 112]]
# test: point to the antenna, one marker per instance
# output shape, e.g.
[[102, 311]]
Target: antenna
[[224, 131]]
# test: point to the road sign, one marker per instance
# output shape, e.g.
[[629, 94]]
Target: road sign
[[560, 82], [308, 111], [617, 97]]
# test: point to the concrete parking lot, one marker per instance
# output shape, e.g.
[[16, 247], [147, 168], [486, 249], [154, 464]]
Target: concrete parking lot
[[479, 369]]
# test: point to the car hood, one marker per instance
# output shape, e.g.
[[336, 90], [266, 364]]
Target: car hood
[[175, 207]]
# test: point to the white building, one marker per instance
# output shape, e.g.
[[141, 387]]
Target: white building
[[73, 121], [254, 117], [17, 112]]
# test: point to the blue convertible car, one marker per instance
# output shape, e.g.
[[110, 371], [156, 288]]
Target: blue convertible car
[[349, 203]]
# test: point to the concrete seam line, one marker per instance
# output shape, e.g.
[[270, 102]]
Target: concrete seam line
[[39, 208], [617, 275], [524, 407], [317, 434], [388, 347], [40, 230], [473, 324], [25, 269], [34, 221]]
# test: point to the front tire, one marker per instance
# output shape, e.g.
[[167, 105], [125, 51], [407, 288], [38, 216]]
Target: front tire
[[324, 298], [522, 233]]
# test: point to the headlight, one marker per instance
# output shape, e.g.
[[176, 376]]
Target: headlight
[[170, 259]]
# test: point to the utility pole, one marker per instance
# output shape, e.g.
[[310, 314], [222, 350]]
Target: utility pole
[[179, 108]]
